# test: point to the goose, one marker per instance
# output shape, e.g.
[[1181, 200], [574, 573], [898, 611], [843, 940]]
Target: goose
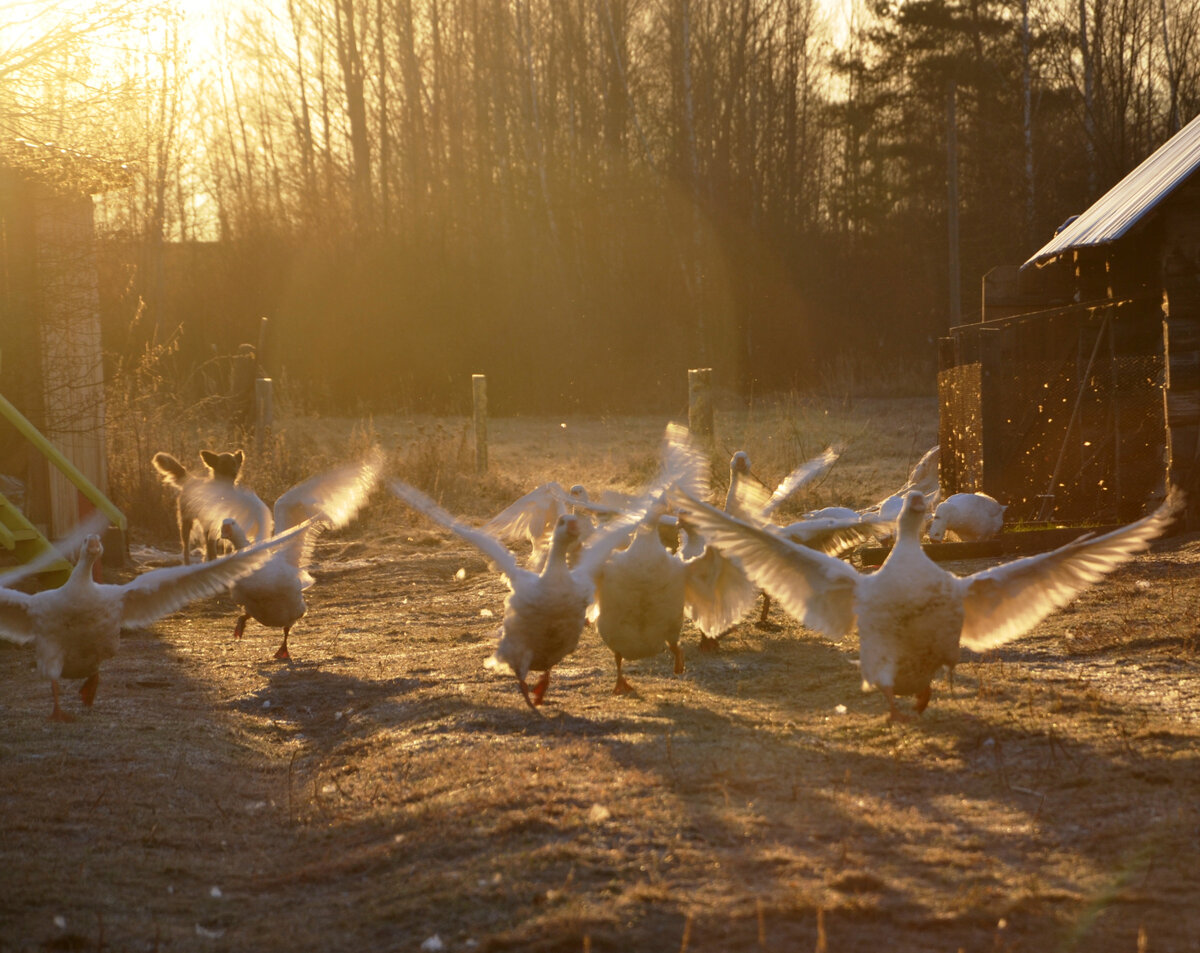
[[78, 625], [545, 611], [751, 502], [641, 590], [640, 593], [912, 615], [273, 594], [969, 516]]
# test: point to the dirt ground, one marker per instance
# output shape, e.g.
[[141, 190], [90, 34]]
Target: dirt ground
[[384, 791]]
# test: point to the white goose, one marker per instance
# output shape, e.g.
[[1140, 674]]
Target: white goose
[[641, 590], [77, 626], [969, 516], [719, 595], [912, 615], [545, 611], [274, 593], [640, 595]]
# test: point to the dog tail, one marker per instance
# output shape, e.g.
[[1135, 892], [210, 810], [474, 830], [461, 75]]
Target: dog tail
[[173, 472]]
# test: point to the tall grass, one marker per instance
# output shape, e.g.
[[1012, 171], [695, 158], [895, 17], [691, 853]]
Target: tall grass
[[882, 438]]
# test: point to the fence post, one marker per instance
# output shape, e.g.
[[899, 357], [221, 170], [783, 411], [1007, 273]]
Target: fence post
[[264, 412], [700, 406], [479, 400]]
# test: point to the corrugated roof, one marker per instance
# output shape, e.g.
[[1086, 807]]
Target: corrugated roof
[[1127, 202]]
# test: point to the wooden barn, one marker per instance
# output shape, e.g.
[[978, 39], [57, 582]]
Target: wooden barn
[[51, 368], [1076, 396]]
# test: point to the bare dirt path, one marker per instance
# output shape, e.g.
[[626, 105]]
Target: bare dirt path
[[384, 788]]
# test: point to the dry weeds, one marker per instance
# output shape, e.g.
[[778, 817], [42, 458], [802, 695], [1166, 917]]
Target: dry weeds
[[383, 788]]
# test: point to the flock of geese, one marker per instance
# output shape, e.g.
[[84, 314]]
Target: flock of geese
[[634, 566]]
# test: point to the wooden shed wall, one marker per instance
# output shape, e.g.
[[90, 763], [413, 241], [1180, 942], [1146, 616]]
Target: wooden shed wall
[[1057, 414], [1181, 341], [50, 332]]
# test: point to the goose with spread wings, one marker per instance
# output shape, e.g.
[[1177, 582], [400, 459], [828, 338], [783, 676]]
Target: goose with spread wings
[[912, 615], [545, 611], [274, 593], [719, 594], [78, 625]]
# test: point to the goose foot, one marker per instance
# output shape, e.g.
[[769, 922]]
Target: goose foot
[[58, 714], [283, 649], [895, 715], [622, 687], [539, 690], [525, 694], [677, 651], [766, 609], [240, 627], [923, 697], [87, 691]]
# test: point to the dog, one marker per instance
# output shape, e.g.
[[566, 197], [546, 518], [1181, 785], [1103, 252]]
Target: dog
[[220, 468]]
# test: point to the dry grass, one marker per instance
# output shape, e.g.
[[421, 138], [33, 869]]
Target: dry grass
[[384, 788]]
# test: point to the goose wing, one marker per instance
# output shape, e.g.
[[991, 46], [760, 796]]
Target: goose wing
[[215, 501], [1005, 602], [160, 592], [499, 554], [685, 462], [65, 548], [834, 535], [800, 477], [15, 623], [716, 591], [532, 516], [336, 495], [815, 588]]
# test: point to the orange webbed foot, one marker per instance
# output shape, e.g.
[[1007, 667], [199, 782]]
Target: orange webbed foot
[[622, 687], [539, 690]]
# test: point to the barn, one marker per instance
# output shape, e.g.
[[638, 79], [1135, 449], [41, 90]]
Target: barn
[[52, 450], [1075, 396]]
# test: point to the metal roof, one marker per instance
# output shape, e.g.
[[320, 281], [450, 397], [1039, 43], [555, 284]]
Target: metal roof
[[1127, 202]]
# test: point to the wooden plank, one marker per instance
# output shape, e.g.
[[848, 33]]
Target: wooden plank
[[64, 466]]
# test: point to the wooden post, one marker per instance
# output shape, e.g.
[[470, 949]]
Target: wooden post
[[700, 406], [261, 351], [264, 412], [479, 399]]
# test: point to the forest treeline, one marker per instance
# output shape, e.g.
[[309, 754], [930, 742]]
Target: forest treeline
[[583, 198]]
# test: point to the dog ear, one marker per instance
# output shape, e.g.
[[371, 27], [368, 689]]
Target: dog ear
[[210, 459]]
